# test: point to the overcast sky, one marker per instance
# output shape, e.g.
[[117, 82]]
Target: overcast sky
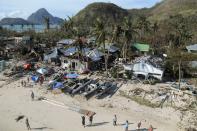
[[61, 8]]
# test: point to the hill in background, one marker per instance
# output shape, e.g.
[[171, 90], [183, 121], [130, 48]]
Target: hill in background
[[108, 12], [168, 8], [111, 13], [14, 21], [39, 15]]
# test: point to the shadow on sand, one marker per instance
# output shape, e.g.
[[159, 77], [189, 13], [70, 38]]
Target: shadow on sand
[[98, 124], [143, 129], [41, 128], [124, 124]]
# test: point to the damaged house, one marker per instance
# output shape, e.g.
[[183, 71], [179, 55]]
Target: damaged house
[[140, 48], [82, 61], [53, 56], [146, 67], [65, 42], [192, 49]]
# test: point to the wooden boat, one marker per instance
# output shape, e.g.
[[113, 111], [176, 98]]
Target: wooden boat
[[81, 85], [90, 89], [104, 88], [69, 85]]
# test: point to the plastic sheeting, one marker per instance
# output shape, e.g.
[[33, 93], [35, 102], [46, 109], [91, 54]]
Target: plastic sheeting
[[66, 41], [27, 66], [58, 85], [34, 78], [42, 71], [54, 54], [72, 50], [95, 55], [71, 76]]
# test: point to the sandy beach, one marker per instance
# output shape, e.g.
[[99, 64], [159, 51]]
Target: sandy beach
[[15, 100]]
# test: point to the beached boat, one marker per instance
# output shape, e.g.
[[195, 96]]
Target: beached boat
[[104, 88], [81, 86], [90, 89], [69, 85]]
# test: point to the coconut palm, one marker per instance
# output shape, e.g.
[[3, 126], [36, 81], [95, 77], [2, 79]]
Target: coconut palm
[[180, 37], [143, 25], [128, 34], [155, 29], [100, 33], [47, 22], [22, 27], [117, 31], [32, 26]]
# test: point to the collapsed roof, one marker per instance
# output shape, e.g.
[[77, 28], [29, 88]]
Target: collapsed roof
[[94, 54], [66, 41], [147, 66], [141, 47], [54, 54], [192, 48]]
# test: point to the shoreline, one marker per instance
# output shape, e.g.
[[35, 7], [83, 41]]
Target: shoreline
[[51, 117]]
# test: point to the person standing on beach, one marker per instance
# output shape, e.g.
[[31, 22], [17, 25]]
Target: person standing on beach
[[126, 126], [22, 83], [91, 119], [32, 95], [83, 121], [150, 128], [27, 124], [41, 79], [28, 79], [115, 120], [139, 126]]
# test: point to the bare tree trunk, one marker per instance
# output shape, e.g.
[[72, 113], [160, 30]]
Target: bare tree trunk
[[126, 51], [106, 63], [179, 64]]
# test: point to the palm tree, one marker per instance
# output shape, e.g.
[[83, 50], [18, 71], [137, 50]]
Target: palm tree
[[47, 22], [128, 34], [179, 38], [143, 25], [22, 26], [117, 31], [32, 26], [100, 33], [155, 29]]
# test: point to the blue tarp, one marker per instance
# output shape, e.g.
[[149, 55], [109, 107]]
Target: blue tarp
[[71, 75], [34, 78], [42, 71], [57, 85]]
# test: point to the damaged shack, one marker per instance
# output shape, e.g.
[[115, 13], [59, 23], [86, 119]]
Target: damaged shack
[[146, 67]]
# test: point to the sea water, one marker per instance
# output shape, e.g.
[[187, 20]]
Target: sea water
[[22, 28]]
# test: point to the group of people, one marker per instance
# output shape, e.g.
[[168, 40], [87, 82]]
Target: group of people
[[83, 120], [24, 83], [126, 125]]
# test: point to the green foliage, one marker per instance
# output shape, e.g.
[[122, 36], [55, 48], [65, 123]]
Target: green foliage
[[128, 74], [114, 72], [107, 12]]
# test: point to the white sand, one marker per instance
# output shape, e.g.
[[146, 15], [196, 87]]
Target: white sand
[[15, 101]]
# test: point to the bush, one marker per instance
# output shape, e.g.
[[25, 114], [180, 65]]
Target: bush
[[114, 72], [128, 74]]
